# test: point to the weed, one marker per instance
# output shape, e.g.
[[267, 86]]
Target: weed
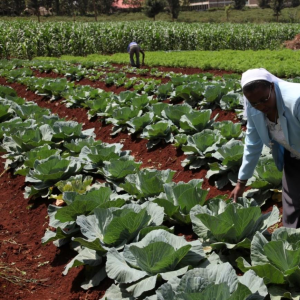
[[16, 276]]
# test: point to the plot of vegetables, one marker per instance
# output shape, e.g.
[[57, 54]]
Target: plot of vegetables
[[118, 228]]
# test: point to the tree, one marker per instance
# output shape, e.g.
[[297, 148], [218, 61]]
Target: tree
[[227, 11], [174, 7], [295, 3], [95, 10], [66, 7], [153, 7], [12, 7], [35, 5], [239, 4], [56, 4], [19, 6], [277, 6], [82, 7], [101, 6], [263, 3]]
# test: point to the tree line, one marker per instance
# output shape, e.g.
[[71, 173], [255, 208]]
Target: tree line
[[83, 7], [58, 7], [150, 7]]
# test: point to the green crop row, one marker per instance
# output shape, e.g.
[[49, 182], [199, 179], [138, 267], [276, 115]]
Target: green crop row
[[282, 63], [30, 39]]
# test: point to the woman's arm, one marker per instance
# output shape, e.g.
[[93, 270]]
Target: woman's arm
[[252, 151]]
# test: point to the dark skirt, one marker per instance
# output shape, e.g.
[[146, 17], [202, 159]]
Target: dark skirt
[[291, 191]]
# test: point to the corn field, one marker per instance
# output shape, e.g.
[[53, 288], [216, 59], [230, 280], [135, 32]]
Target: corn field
[[27, 39]]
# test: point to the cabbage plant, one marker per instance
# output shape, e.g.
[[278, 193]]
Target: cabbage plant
[[266, 179], [34, 154], [115, 227], [179, 198], [157, 109], [7, 91], [31, 110], [195, 121], [116, 169], [111, 228], [20, 142], [180, 139], [277, 262], [14, 125], [231, 225], [68, 130], [192, 93], [74, 146], [200, 146], [79, 184], [217, 282], [230, 155], [27, 139], [158, 257], [231, 101], [164, 91], [94, 156], [5, 112], [80, 200], [228, 129], [47, 172], [121, 116], [79, 95], [137, 124], [212, 94], [147, 182], [99, 106], [160, 131], [51, 88], [175, 112]]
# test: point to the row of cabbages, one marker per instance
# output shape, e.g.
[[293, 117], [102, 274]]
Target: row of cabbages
[[191, 129], [216, 145], [123, 228]]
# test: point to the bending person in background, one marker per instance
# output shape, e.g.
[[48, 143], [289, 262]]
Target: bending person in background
[[134, 49], [273, 112]]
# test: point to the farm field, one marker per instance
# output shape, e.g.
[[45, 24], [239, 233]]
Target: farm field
[[171, 144], [30, 39], [282, 63]]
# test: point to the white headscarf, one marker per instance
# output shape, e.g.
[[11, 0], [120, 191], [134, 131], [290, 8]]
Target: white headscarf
[[256, 74]]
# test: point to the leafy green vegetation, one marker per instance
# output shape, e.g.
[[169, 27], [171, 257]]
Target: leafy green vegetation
[[121, 228], [30, 39], [277, 261], [230, 225], [282, 63], [160, 255], [210, 283]]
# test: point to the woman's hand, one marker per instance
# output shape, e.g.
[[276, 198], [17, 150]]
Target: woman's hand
[[238, 191]]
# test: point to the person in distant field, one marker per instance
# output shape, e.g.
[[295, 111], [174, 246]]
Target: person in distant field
[[134, 49], [273, 119]]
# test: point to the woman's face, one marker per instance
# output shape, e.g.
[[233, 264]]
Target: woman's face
[[262, 98]]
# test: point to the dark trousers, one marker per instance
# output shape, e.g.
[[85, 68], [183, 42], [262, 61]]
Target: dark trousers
[[134, 50], [291, 191]]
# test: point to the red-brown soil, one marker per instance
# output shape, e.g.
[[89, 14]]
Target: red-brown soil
[[293, 44], [38, 269]]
